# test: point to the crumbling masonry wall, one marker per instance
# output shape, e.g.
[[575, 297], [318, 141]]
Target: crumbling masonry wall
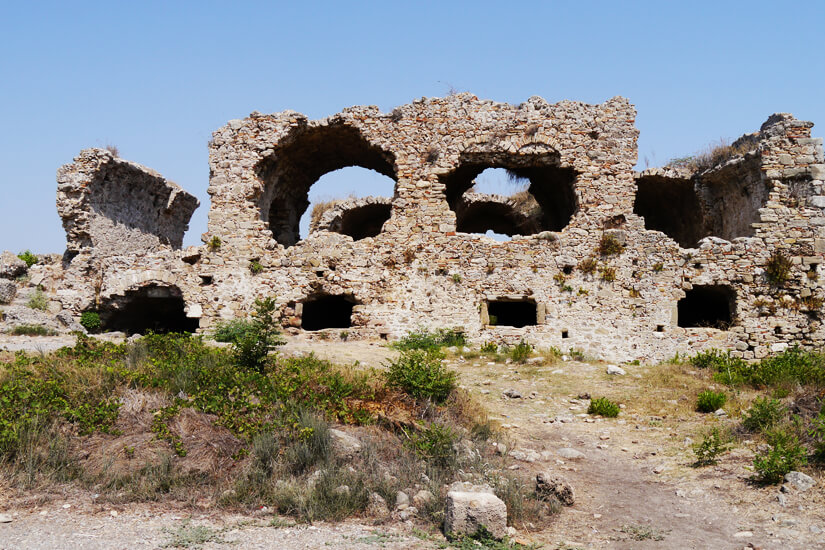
[[599, 259]]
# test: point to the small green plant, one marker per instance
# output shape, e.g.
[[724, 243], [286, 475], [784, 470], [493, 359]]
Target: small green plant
[[456, 278], [609, 245], [90, 320], [763, 414], [588, 266], [489, 347], [191, 536], [608, 274], [785, 454], [252, 347], [816, 431], [29, 258], [33, 330], [214, 243], [643, 532], [313, 445], [421, 374], [255, 267], [708, 450], [492, 320], [521, 351], [603, 406], [37, 300], [658, 266], [778, 269], [709, 401]]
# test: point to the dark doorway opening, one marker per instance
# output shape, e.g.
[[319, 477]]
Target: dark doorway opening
[[327, 311], [710, 306], [512, 313], [155, 308]]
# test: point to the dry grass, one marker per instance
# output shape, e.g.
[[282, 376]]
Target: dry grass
[[713, 155]]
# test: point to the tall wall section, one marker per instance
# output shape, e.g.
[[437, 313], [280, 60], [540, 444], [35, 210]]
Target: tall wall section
[[617, 264]]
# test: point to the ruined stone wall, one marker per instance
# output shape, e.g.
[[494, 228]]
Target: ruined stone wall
[[569, 288]]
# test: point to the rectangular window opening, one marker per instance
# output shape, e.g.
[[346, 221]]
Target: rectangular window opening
[[512, 313]]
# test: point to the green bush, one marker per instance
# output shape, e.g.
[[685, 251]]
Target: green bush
[[603, 407], [421, 374], [709, 401], [33, 330], [785, 454], [521, 351], [256, 267], [90, 320], [251, 349], [232, 331], [816, 432], [37, 300], [29, 258], [711, 446], [763, 414], [425, 339]]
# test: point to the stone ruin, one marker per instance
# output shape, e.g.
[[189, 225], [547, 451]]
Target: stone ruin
[[617, 264]]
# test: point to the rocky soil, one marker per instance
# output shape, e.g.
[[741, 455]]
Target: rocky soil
[[632, 478]]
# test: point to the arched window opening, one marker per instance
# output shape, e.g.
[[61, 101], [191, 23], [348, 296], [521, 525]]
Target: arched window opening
[[352, 201], [512, 313], [155, 308], [314, 167], [722, 202], [327, 311], [708, 306], [505, 196]]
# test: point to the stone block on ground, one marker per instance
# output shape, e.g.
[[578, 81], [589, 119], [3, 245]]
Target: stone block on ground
[[8, 290], [466, 512], [11, 266]]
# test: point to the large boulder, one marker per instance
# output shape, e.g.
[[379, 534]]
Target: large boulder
[[8, 290], [11, 266], [466, 512]]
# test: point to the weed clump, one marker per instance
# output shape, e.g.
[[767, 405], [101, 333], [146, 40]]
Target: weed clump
[[521, 351], [252, 346], [709, 449], [424, 339], [763, 414], [33, 330], [709, 401], [778, 269], [609, 245], [37, 300], [420, 373], [603, 406]]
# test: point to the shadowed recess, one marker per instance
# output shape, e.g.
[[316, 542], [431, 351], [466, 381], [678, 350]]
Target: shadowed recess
[[327, 311], [512, 313], [155, 308], [710, 306]]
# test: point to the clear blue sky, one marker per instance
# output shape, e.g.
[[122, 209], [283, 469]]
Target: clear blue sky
[[156, 78]]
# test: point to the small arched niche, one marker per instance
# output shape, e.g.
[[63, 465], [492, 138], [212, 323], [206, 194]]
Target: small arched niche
[[510, 195], [301, 162], [153, 307]]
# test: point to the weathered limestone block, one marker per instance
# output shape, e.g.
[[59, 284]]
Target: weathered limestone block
[[120, 207], [467, 511], [11, 266], [8, 290], [550, 484]]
